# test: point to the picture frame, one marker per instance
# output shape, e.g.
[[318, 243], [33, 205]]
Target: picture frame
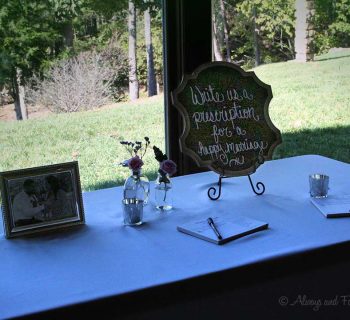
[[41, 199]]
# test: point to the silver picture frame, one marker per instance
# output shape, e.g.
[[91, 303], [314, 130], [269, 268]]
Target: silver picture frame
[[41, 199]]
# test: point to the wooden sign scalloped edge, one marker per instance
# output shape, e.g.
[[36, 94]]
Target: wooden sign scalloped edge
[[186, 121]]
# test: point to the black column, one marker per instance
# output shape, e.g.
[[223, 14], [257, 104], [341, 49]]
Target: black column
[[187, 35]]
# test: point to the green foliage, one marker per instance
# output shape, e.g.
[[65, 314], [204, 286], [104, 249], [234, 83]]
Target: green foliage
[[107, 8], [110, 24], [27, 37], [67, 9], [32, 31], [107, 36], [340, 28], [332, 24], [274, 24], [32, 34]]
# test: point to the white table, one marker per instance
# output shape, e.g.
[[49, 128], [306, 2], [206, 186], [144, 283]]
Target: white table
[[104, 259]]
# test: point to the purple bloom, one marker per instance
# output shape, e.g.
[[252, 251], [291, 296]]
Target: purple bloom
[[135, 163], [168, 166]]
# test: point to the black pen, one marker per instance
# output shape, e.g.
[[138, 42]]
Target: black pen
[[212, 225]]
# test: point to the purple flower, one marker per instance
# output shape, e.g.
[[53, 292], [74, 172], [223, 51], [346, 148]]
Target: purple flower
[[135, 163], [168, 166]]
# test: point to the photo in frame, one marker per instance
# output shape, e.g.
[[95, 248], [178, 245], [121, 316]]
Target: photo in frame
[[41, 199]]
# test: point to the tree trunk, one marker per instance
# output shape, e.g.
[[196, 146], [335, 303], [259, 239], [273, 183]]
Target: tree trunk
[[19, 94], [304, 30], [256, 39], [68, 34], [216, 45], [133, 81], [226, 31], [92, 26], [151, 76]]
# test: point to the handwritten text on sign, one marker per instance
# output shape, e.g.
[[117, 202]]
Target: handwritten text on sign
[[225, 120]]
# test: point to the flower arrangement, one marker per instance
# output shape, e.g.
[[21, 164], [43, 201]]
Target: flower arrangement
[[137, 150], [136, 186], [166, 166]]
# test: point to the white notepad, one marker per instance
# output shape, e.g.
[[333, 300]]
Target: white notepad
[[333, 206], [229, 228]]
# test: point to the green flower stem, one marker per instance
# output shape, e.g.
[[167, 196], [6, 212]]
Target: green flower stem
[[165, 192]]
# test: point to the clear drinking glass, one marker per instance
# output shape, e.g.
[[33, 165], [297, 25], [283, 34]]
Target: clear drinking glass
[[132, 211], [319, 185]]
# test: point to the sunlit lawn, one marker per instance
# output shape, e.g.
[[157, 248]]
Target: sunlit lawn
[[85, 136], [311, 106]]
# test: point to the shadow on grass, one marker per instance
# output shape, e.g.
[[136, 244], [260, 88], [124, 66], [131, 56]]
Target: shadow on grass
[[345, 55], [332, 142], [104, 184]]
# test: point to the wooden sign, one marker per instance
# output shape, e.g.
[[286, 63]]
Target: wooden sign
[[226, 120]]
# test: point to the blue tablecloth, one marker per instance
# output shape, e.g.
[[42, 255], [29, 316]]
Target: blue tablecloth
[[104, 258]]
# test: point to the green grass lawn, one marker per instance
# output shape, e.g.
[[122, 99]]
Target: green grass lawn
[[60, 138], [311, 107]]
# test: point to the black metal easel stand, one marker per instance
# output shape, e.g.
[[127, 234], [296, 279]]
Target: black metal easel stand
[[215, 193]]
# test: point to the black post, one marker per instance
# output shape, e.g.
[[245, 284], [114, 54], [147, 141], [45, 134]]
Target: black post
[[187, 35]]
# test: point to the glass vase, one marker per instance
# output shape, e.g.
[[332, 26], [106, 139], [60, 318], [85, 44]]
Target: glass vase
[[163, 192], [137, 187], [132, 212]]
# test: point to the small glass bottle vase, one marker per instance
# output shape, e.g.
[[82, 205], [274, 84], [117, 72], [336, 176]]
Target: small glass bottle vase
[[163, 192], [137, 187]]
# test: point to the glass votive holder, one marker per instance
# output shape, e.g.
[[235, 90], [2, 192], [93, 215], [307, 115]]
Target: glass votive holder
[[319, 185], [132, 211]]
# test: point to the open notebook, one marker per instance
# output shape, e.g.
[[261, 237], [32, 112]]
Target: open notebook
[[333, 206], [230, 228]]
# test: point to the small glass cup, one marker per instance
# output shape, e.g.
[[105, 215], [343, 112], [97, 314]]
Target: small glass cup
[[132, 211], [319, 185]]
